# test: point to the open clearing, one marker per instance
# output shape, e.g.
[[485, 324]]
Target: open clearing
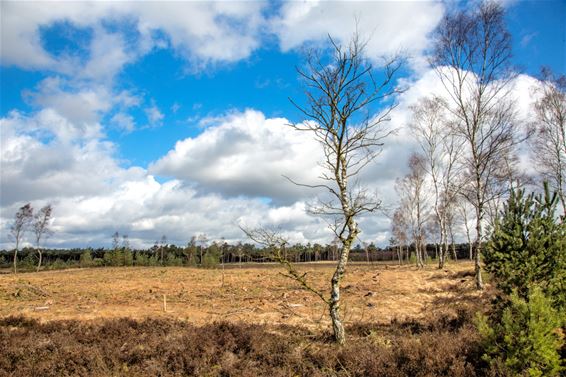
[[257, 294]]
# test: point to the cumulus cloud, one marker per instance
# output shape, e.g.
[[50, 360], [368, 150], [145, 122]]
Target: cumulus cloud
[[382, 23], [203, 32], [94, 196], [221, 178], [80, 104], [245, 154]]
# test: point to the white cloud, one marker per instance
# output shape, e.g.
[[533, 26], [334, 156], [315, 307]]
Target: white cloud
[[124, 122], [154, 115], [80, 104], [245, 154], [203, 32], [222, 177], [383, 23], [93, 195]]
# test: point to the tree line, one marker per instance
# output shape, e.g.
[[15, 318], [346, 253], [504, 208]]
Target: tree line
[[204, 255]]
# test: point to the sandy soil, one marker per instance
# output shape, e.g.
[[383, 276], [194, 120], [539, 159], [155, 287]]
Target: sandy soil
[[253, 293]]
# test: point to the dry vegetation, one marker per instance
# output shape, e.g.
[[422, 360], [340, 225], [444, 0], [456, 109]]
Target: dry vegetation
[[110, 322], [253, 294]]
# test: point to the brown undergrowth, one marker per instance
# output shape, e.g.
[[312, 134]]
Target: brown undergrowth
[[168, 347]]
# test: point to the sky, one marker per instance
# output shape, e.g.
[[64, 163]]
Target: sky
[[172, 118]]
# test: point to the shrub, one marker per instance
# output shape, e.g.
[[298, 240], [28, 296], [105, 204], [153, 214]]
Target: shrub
[[528, 247], [86, 260], [58, 265], [153, 261], [173, 260], [140, 259], [107, 258], [98, 262], [128, 258], [528, 338], [210, 260]]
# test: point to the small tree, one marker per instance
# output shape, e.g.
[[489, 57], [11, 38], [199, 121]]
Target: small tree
[[21, 224], [128, 256], [528, 339], [340, 89], [41, 229], [399, 227], [411, 189], [202, 239], [528, 246], [162, 245]]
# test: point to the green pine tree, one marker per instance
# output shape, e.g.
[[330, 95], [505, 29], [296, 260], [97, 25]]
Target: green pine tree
[[528, 247]]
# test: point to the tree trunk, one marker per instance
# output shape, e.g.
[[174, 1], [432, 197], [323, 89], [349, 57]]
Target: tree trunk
[[334, 304], [40, 257], [16, 261], [477, 259]]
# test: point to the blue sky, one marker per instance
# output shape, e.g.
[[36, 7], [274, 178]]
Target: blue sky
[[169, 118]]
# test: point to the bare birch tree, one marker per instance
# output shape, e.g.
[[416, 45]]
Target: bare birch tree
[[472, 59], [549, 139], [399, 226], [411, 191], [340, 88], [41, 230], [21, 224], [464, 212], [440, 148]]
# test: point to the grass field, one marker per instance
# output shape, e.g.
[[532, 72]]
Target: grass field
[[253, 293]]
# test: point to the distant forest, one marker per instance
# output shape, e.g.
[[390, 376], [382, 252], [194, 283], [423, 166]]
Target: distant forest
[[212, 255]]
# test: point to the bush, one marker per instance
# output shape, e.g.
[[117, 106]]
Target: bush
[[140, 259], [209, 260], [173, 260], [58, 265], [528, 339], [107, 257], [86, 260], [528, 247], [29, 262], [128, 258]]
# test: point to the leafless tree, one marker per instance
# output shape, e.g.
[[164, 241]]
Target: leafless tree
[[202, 239], [41, 229], [549, 139], [162, 245], [399, 226], [21, 224], [340, 89], [116, 241], [411, 190], [440, 148], [472, 58], [465, 213]]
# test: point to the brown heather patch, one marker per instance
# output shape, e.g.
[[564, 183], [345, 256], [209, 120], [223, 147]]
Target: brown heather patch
[[167, 347]]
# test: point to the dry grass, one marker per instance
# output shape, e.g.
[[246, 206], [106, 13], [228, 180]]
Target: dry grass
[[257, 294]]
